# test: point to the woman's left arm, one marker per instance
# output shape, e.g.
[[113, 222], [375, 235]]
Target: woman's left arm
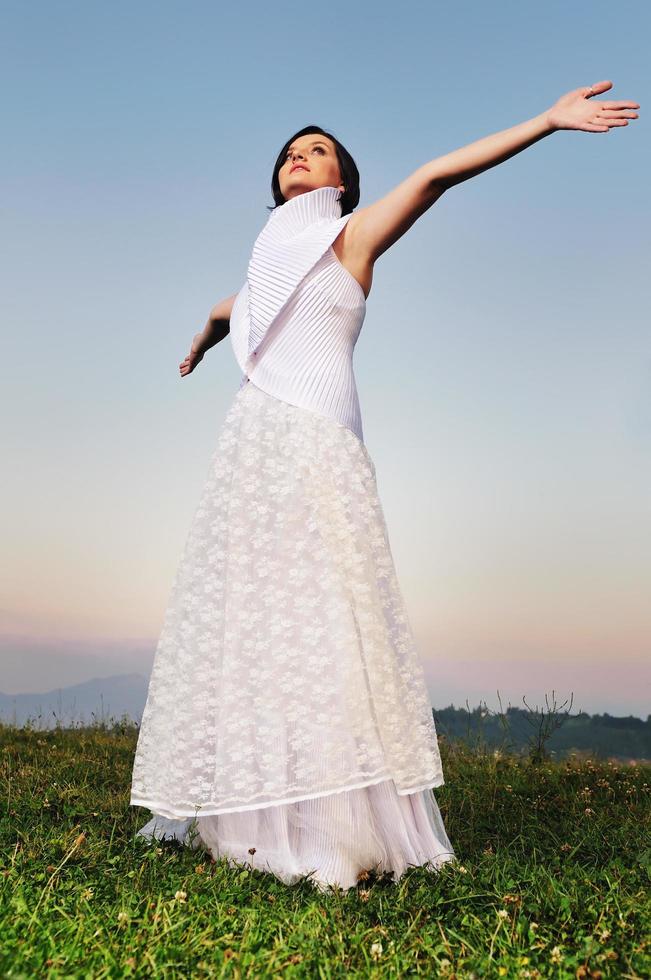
[[575, 110], [375, 228]]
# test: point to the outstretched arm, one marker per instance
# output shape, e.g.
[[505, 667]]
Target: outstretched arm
[[215, 330], [375, 228], [572, 111]]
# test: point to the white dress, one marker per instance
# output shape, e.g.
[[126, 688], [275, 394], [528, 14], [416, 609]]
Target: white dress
[[287, 724]]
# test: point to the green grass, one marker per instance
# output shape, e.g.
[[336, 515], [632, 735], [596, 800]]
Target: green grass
[[552, 879]]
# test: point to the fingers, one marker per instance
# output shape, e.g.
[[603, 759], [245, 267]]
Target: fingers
[[619, 105], [618, 114]]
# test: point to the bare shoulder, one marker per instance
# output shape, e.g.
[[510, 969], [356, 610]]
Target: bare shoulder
[[373, 229]]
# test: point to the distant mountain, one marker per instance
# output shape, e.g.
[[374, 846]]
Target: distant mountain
[[101, 697]]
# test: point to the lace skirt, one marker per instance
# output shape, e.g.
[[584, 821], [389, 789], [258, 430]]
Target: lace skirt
[[287, 721]]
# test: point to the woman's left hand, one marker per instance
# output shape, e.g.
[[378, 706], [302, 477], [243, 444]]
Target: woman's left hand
[[579, 110]]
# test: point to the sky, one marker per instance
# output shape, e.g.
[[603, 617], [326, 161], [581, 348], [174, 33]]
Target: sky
[[503, 368]]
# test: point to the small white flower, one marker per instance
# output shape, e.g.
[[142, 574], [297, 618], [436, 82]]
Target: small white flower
[[376, 950], [502, 914]]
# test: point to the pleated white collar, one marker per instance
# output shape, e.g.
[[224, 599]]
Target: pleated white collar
[[309, 208]]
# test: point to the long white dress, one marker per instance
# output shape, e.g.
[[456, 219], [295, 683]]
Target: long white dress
[[287, 725]]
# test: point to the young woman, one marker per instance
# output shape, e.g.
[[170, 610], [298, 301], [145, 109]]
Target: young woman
[[287, 723]]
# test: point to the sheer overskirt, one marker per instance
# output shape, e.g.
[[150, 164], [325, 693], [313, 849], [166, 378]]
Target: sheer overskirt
[[287, 709]]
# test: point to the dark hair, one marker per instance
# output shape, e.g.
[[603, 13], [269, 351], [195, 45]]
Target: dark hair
[[349, 198]]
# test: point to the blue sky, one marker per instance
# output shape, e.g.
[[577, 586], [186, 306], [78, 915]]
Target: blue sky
[[504, 366]]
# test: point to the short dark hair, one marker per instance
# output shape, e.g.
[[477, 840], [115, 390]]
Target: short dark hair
[[349, 198]]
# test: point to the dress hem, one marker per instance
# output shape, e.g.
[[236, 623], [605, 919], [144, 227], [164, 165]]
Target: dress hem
[[161, 809]]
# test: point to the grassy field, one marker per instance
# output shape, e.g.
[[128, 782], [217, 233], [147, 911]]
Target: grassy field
[[551, 879]]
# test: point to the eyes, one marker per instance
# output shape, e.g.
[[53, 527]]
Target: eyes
[[288, 154]]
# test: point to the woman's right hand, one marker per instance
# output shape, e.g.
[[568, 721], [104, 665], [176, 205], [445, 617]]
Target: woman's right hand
[[189, 363]]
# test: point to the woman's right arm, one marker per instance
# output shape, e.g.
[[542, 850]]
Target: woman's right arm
[[216, 328]]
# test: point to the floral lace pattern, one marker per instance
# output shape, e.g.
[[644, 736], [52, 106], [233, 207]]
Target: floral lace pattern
[[286, 666]]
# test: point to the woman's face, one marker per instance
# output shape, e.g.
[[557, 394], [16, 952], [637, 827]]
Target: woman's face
[[311, 162]]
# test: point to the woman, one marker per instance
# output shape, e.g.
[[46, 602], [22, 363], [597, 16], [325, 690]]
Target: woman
[[287, 723]]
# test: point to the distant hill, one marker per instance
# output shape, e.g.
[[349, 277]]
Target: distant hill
[[101, 697]]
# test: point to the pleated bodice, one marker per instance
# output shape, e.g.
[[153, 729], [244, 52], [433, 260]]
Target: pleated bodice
[[296, 319]]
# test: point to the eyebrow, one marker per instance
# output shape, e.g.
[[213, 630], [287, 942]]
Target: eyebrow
[[311, 144]]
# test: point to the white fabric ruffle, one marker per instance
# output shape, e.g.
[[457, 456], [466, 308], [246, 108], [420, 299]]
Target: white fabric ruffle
[[328, 840]]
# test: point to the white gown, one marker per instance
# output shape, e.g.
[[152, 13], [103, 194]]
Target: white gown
[[287, 724]]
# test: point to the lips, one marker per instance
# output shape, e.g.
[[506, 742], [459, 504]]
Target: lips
[[298, 166]]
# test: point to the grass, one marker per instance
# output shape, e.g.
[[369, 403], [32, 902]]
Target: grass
[[551, 878]]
